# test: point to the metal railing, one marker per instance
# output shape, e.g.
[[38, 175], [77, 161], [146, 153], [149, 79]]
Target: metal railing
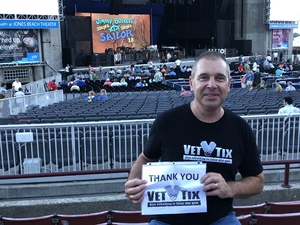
[[87, 146]]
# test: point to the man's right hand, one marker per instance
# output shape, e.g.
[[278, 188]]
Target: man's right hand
[[134, 190]]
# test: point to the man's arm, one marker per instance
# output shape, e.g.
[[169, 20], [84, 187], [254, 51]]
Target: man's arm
[[214, 184], [135, 186]]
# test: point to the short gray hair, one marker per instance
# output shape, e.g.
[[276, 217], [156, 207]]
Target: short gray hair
[[210, 55]]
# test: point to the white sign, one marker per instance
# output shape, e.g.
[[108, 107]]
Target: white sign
[[173, 188]]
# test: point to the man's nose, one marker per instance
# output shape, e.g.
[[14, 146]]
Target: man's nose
[[211, 83]]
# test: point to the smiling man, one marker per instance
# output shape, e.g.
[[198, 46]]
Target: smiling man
[[204, 131]]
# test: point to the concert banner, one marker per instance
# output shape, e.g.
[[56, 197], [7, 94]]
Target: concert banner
[[173, 188], [120, 31], [19, 46]]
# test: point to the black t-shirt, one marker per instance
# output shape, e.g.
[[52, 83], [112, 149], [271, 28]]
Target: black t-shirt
[[227, 146]]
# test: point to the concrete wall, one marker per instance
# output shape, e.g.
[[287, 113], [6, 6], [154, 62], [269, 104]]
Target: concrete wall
[[249, 25], [52, 50]]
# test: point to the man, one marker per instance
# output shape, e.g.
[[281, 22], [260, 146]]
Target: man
[[20, 99], [52, 86], [288, 106], [290, 87], [204, 121], [16, 85]]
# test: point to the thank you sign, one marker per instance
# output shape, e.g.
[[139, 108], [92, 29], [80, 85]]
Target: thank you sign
[[173, 188]]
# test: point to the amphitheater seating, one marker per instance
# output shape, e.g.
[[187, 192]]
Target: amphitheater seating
[[269, 213]]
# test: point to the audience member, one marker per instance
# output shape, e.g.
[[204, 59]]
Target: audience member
[[52, 86], [91, 97], [262, 85], [288, 106], [169, 57], [107, 82], [249, 78], [75, 87], [185, 92], [172, 72], [290, 87], [63, 84], [116, 83], [123, 82], [81, 83], [257, 78], [241, 68], [20, 101], [247, 68], [158, 76], [103, 95], [3, 90], [2, 96], [16, 85], [278, 88], [278, 72]]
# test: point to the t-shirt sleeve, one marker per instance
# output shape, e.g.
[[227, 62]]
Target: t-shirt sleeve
[[152, 148], [251, 164]]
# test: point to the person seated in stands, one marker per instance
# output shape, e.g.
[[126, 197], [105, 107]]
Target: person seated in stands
[[75, 87], [116, 83], [290, 87], [241, 68], [172, 72], [262, 85], [119, 72], [123, 82], [266, 64], [103, 95], [63, 84], [52, 86], [189, 69], [131, 77], [278, 88], [163, 71], [158, 76], [278, 72], [281, 65], [288, 106], [150, 64], [139, 84], [81, 83], [247, 67], [185, 92], [146, 72], [107, 82], [183, 69], [91, 97], [111, 72], [138, 70]]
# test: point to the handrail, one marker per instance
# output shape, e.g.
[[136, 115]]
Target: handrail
[[127, 170], [286, 169]]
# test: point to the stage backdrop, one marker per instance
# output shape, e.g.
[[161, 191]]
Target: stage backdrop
[[123, 30]]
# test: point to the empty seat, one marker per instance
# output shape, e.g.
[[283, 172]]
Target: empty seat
[[8, 155], [65, 151], [95, 150]]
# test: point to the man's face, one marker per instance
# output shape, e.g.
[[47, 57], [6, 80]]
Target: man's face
[[210, 83]]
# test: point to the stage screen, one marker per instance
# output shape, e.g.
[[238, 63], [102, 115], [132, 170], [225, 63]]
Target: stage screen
[[19, 46], [280, 39], [124, 30]]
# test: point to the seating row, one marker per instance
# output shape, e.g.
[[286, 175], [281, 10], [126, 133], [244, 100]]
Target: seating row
[[273, 213]]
